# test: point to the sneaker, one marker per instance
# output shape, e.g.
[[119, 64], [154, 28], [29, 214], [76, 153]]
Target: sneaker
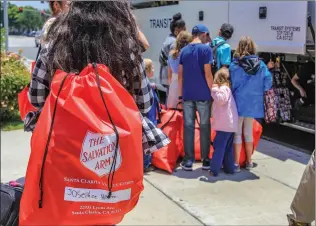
[[186, 165], [150, 169], [249, 166], [292, 222], [213, 174], [206, 164], [237, 168]]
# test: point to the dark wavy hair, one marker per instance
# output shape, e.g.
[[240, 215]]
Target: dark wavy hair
[[103, 32], [176, 22]]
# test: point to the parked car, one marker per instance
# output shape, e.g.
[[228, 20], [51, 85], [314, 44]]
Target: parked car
[[26, 33], [32, 34], [38, 37]]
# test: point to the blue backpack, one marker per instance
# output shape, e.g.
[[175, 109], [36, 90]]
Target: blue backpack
[[154, 111]]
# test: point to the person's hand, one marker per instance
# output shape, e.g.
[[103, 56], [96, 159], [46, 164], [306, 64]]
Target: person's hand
[[270, 65], [153, 85], [302, 92]]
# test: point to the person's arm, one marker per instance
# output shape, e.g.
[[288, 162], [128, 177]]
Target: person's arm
[[225, 57], [208, 75], [267, 78], [169, 75], [142, 38], [169, 72], [180, 76], [220, 94], [180, 79], [40, 82], [143, 93], [208, 58], [296, 84]]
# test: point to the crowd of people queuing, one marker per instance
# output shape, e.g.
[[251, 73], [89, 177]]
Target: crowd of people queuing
[[204, 78], [199, 73]]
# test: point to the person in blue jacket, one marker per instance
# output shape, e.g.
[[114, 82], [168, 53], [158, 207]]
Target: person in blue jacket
[[250, 78]]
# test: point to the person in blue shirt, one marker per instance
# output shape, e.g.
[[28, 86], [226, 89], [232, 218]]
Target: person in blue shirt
[[195, 82], [250, 78], [222, 48]]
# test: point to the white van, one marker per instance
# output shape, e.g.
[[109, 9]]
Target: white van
[[282, 29]]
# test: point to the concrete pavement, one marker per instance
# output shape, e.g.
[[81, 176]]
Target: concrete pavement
[[27, 44], [259, 197]]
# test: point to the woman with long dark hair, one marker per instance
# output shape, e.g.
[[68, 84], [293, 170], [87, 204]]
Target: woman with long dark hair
[[103, 32]]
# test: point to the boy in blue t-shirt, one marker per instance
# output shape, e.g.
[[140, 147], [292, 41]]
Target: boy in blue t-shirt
[[195, 82]]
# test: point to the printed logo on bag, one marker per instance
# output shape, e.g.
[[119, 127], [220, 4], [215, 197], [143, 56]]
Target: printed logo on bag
[[98, 151]]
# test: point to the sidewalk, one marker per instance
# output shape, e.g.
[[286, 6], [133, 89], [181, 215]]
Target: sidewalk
[[259, 197]]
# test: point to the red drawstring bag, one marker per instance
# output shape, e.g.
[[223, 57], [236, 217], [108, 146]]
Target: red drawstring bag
[[166, 157], [24, 104], [257, 131], [86, 163]]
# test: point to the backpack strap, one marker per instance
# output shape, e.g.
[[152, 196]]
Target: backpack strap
[[214, 48], [173, 114], [157, 105], [38, 52], [163, 58]]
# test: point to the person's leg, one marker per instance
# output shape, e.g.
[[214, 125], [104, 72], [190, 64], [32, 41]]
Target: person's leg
[[248, 135], [204, 109], [229, 166], [238, 142], [147, 161], [303, 204], [220, 143], [189, 115]]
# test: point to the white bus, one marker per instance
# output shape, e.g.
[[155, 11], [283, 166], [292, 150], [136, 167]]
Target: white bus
[[282, 29]]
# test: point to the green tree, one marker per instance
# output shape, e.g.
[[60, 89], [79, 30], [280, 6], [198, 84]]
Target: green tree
[[29, 19], [13, 14]]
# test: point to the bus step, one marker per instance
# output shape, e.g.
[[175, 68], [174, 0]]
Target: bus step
[[303, 126]]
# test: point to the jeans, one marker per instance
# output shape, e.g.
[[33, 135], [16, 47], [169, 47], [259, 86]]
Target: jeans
[[189, 115], [147, 160], [223, 153]]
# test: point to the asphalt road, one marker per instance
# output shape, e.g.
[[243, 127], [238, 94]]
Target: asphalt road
[[26, 44]]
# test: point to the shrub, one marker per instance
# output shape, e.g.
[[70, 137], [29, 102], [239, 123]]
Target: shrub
[[14, 77], [2, 39]]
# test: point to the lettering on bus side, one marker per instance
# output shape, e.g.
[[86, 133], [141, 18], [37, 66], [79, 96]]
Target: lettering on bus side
[[285, 33], [160, 23]]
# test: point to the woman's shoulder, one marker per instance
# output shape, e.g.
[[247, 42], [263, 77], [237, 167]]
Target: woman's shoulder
[[234, 65], [171, 57]]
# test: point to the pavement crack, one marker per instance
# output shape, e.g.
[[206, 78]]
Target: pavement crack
[[177, 202]]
